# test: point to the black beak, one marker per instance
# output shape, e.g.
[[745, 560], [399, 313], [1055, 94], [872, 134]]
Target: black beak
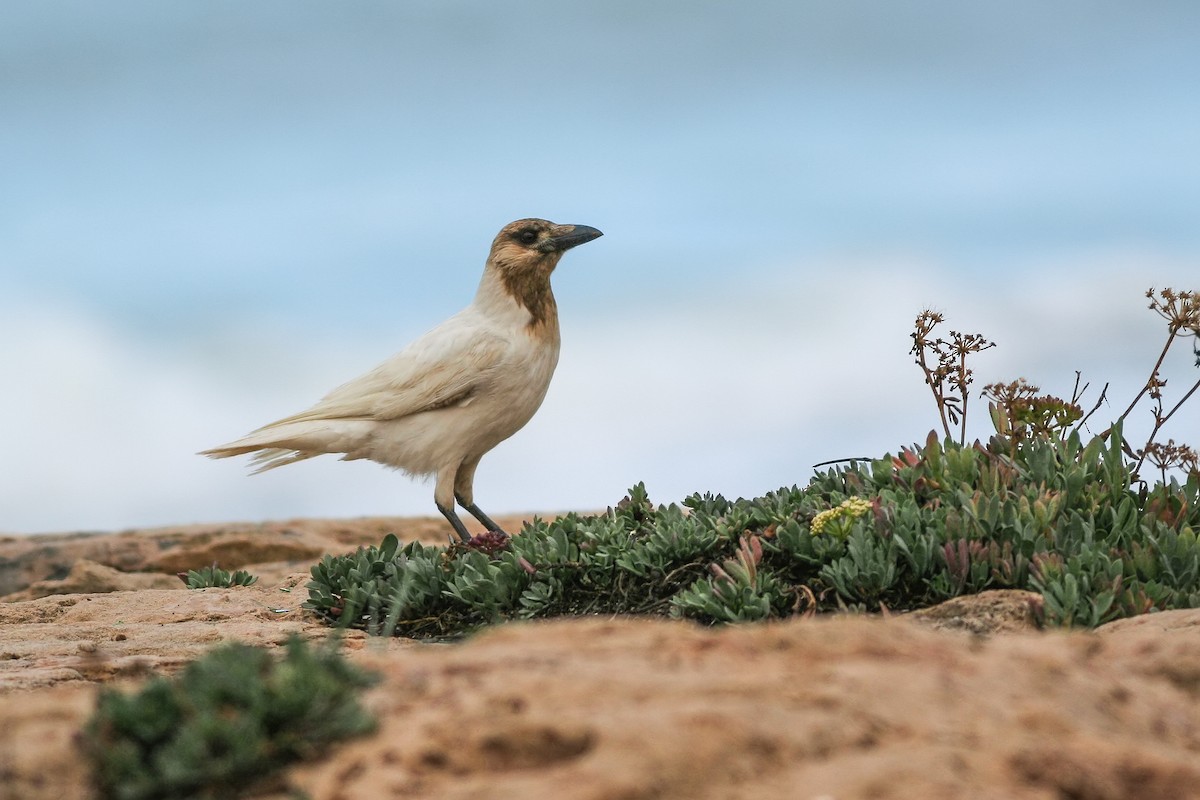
[[572, 236]]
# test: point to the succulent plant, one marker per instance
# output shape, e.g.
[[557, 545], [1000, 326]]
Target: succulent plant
[[935, 521], [214, 576], [229, 719]]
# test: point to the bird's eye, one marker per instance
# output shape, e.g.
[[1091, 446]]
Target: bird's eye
[[527, 236]]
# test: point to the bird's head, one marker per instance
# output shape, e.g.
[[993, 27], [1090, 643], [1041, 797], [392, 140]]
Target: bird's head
[[536, 244], [524, 254]]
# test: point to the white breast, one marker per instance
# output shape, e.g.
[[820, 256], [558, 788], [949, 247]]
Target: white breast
[[500, 405]]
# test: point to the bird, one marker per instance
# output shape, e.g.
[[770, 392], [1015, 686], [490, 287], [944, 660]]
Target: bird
[[440, 404]]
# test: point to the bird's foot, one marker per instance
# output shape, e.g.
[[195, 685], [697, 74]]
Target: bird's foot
[[490, 542]]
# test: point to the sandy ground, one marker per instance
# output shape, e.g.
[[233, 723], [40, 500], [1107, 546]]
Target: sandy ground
[[613, 708]]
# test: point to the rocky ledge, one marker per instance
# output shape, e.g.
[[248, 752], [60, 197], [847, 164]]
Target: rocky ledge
[[967, 700]]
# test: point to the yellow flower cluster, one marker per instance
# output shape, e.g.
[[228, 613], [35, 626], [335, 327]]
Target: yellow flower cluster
[[850, 510]]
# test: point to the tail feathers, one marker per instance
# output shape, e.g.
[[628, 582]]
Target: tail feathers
[[286, 444], [273, 457]]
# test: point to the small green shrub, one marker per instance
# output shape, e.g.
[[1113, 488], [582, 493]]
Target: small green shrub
[[215, 577], [903, 532], [738, 591], [226, 721], [1035, 507], [630, 560]]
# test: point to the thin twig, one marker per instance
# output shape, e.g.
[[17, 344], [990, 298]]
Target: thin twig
[[839, 461], [1099, 402]]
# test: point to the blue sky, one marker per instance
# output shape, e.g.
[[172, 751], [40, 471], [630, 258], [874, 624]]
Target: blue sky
[[212, 213]]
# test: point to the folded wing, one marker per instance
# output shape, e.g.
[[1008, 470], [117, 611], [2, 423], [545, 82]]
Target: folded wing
[[446, 367]]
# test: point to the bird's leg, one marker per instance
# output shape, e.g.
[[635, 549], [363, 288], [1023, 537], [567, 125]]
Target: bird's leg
[[478, 514], [455, 522], [464, 493], [443, 498]]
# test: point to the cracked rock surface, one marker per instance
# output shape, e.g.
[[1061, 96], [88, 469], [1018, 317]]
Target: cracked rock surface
[[836, 707]]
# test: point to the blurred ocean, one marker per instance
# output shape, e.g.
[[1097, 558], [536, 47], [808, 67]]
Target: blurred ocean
[[211, 214]]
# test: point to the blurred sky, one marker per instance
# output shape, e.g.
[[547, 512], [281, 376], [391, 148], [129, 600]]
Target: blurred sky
[[212, 213]]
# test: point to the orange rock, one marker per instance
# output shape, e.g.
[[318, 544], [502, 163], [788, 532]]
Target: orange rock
[[581, 709]]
